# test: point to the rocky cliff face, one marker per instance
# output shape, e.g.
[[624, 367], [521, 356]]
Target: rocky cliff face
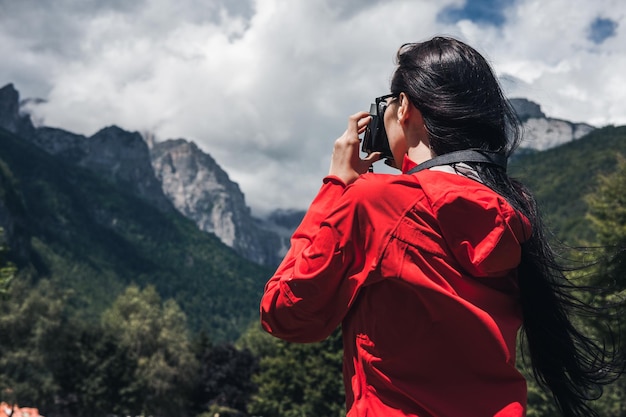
[[202, 191], [11, 118], [124, 158], [9, 108], [541, 132], [119, 156]]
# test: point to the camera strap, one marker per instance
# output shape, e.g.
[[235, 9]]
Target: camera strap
[[468, 155]]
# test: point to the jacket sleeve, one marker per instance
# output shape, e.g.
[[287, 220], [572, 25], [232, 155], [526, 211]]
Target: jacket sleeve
[[320, 276]]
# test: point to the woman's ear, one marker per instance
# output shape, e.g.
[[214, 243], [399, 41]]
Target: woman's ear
[[407, 111], [403, 108], [411, 120]]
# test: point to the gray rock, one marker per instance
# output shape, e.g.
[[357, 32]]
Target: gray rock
[[199, 188], [541, 132]]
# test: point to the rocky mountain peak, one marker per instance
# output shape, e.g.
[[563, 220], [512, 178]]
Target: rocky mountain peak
[[201, 190], [123, 157], [9, 108], [120, 156], [526, 109], [10, 117], [541, 132]]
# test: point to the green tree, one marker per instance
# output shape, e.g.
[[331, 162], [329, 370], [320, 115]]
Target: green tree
[[7, 268], [225, 385], [607, 213], [30, 320], [156, 337], [297, 380], [52, 360], [90, 369]]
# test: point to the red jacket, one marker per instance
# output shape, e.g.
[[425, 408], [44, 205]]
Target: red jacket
[[421, 272]]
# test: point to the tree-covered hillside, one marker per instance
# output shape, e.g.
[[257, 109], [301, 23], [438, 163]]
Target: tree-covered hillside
[[88, 236], [561, 177]]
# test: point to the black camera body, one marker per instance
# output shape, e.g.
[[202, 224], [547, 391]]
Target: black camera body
[[375, 139]]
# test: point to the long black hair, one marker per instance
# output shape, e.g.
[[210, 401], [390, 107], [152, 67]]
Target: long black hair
[[464, 107]]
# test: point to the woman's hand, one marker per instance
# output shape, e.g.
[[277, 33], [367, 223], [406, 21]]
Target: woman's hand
[[346, 163]]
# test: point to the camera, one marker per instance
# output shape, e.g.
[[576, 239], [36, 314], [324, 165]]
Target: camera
[[375, 139]]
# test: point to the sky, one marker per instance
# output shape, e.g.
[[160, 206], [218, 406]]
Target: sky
[[266, 86]]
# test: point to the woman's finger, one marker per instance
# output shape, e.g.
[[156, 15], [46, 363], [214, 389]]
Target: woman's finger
[[358, 121]]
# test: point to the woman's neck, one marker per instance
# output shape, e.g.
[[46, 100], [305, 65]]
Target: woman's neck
[[420, 153]]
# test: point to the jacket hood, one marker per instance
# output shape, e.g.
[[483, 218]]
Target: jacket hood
[[482, 230]]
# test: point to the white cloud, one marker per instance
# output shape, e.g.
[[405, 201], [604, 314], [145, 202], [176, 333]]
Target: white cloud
[[547, 45], [266, 86]]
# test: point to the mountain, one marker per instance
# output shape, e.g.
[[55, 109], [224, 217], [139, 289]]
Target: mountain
[[542, 132], [72, 219], [172, 175], [561, 177], [199, 188], [119, 156], [177, 174]]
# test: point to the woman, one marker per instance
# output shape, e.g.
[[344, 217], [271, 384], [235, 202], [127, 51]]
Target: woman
[[431, 273]]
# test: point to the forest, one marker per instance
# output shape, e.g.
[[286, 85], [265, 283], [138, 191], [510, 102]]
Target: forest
[[67, 352]]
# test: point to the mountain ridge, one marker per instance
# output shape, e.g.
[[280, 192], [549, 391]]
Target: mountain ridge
[[200, 189], [541, 132], [177, 174], [130, 160], [93, 238]]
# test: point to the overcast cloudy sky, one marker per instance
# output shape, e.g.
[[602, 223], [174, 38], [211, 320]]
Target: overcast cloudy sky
[[265, 86]]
